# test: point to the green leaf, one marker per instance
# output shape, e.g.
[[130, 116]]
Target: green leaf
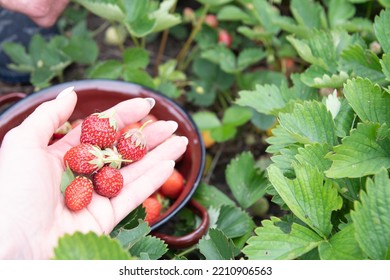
[[223, 133], [341, 246], [314, 155], [127, 238], [280, 139], [66, 178], [371, 217], [278, 240], [232, 13], [163, 18], [17, 53], [150, 245], [83, 50], [381, 28], [363, 63], [307, 13], [385, 63], [138, 76], [208, 196], [317, 77], [368, 100], [248, 57], [310, 122], [206, 120], [264, 99], [41, 77], [136, 58], [130, 221], [310, 196], [234, 222], [360, 154], [246, 182], [340, 11], [107, 9], [109, 69], [222, 56], [266, 14], [216, 246], [236, 115], [89, 246]]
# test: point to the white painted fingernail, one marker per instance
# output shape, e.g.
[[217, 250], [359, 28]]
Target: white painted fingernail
[[173, 125], [65, 92], [185, 139], [151, 101]]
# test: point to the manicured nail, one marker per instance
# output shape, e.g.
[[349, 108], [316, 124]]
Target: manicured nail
[[151, 101], [185, 139], [65, 92], [173, 125]]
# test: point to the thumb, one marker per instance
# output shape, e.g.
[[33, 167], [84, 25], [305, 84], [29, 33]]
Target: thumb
[[39, 126]]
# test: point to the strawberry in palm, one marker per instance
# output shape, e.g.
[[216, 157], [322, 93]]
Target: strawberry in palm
[[108, 181], [84, 158], [78, 194], [132, 145], [99, 129]]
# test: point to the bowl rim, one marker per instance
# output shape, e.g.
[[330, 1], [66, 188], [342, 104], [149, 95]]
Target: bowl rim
[[104, 84]]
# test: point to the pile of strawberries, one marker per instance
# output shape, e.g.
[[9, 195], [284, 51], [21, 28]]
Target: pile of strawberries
[[93, 165]]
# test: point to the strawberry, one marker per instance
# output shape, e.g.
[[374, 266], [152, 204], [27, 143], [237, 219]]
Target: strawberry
[[108, 181], [78, 194], [152, 208], [84, 158], [126, 129], [173, 186], [99, 129], [211, 20], [132, 145], [224, 38]]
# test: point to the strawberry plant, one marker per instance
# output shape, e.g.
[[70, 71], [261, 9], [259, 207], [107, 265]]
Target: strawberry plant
[[291, 99]]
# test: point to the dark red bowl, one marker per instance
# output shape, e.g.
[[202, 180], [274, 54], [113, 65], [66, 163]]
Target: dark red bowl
[[98, 95]]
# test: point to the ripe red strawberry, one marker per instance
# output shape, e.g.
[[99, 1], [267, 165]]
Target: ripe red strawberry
[[84, 158], [132, 145], [127, 128], [78, 194], [152, 208], [108, 181], [173, 186], [224, 38], [99, 129]]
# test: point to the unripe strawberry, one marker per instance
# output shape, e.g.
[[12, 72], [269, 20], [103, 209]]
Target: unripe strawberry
[[224, 38], [84, 158], [211, 20], [152, 208], [173, 186], [99, 129], [108, 181], [78, 194]]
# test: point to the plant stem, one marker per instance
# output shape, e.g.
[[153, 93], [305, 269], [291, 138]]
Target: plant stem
[[185, 252], [161, 50], [184, 50], [100, 28], [214, 163]]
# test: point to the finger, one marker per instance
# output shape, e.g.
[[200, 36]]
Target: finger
[[49, 19], [134, 193], [171, 149], [157, 132], [37, 129]]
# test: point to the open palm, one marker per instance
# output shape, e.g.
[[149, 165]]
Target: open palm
[[33, 214]]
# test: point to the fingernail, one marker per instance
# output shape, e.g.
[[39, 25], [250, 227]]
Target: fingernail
[[65, 92], [173, 125], [185, 139], [151, 101]]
